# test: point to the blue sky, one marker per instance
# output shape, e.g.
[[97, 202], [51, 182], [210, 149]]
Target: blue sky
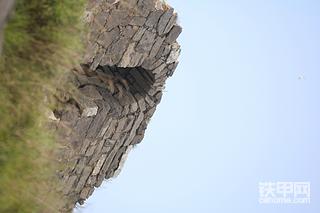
[[242, 107]]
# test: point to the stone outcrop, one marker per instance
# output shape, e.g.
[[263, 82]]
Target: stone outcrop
[[133, 43]]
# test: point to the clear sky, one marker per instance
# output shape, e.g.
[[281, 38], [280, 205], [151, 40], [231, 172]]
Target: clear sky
[[242, 107]]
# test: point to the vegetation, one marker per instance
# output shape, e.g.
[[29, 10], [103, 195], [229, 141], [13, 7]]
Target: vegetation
[[42, 42]]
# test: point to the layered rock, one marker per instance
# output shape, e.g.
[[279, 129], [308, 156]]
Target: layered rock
[[134, 41]]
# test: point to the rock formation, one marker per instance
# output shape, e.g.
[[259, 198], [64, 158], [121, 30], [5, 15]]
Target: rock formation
[[133, 43]]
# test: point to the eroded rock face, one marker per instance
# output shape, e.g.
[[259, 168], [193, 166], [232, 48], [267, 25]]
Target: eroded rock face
[[134, 41]]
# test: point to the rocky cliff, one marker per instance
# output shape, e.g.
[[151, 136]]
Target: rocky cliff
[[132, 45], [130, 51]]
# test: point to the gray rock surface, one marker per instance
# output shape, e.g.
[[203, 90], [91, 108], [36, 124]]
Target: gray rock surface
[[134, 41]]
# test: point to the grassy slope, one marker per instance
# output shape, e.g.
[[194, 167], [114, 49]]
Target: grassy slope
[[42, 41]]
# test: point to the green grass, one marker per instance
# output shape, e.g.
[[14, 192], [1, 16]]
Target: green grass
[[42, 42]]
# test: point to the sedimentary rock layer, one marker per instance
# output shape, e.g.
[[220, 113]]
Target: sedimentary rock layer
[[133, 43]]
